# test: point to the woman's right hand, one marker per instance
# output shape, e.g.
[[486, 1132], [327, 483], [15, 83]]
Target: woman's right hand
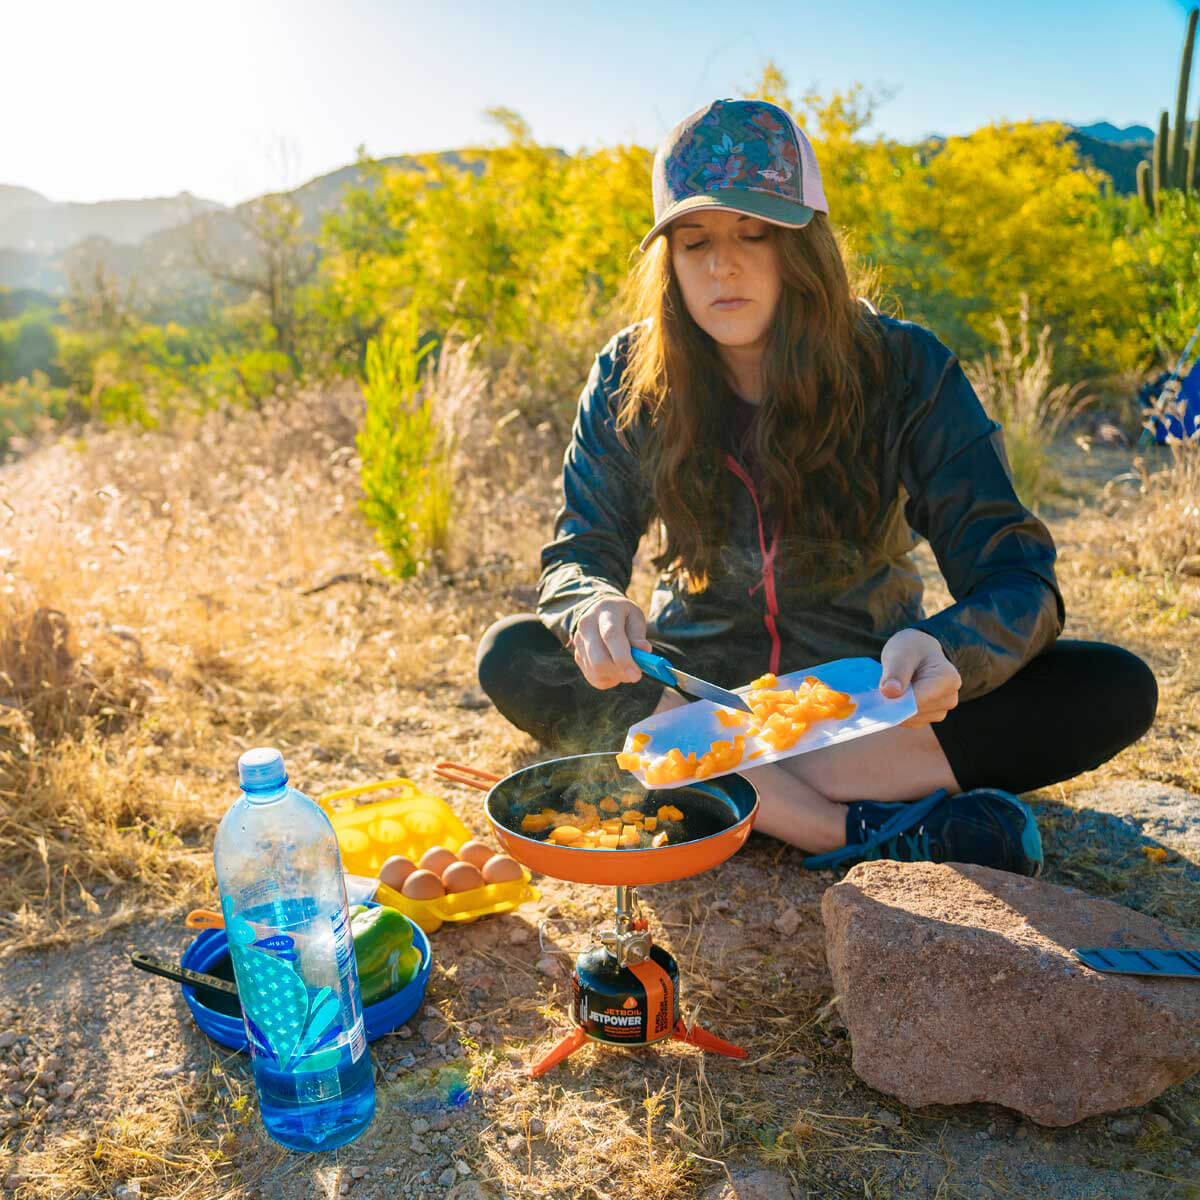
[[602, 641]]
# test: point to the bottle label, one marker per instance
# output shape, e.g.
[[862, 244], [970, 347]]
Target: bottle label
[[288, 1022]]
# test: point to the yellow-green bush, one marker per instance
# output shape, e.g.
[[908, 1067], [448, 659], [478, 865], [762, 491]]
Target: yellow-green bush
[[406, 476]]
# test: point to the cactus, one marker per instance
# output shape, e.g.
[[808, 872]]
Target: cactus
[[1145, 187], [1193, 158], [1174, 164], [1162, 166], [1175, 159]]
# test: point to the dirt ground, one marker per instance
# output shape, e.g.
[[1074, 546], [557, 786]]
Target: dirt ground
[[108, 1090]]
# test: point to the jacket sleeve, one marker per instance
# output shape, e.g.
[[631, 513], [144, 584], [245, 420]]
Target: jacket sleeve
[[606, 507], [996, 556]]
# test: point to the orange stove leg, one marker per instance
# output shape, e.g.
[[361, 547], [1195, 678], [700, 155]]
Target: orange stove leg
[[564, 1049], [707, 1041]]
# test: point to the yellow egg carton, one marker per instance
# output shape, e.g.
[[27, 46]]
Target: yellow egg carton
[[409, 823]]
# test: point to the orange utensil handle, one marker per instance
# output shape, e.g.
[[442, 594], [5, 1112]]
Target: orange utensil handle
[[467, 776], [204, 918]]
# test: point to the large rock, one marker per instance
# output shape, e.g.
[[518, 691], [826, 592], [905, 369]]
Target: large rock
[[957, 984]]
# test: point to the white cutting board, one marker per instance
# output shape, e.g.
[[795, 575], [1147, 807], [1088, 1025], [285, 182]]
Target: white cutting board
[[695, 726]]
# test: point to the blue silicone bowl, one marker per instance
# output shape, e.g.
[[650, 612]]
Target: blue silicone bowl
[[210, 953]]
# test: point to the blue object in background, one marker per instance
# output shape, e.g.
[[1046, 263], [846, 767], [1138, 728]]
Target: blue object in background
[[287, 926], [1164, 425]]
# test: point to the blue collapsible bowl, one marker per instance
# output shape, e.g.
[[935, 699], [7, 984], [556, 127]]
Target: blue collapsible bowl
[[210, 948]]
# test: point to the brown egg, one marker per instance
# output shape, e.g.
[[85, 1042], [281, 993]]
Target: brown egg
[[437, 859], [422, 885], [461, 877], [476, 853], [501, 869], [396, 870]]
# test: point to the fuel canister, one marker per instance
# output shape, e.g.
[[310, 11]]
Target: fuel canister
[[630, 1005]]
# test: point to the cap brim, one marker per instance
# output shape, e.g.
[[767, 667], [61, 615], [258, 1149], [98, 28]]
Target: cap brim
[[765, 205]]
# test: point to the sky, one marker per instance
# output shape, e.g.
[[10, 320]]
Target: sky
[[230, 98]]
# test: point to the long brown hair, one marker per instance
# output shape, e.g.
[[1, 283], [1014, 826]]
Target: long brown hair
[[822, 375]]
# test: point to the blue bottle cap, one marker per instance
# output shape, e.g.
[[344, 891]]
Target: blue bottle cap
[[261, 769]]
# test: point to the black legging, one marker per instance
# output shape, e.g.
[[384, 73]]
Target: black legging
[[1067, 711]]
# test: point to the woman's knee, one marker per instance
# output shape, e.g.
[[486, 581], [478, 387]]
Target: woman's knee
[[507, 642], [1132, 680]]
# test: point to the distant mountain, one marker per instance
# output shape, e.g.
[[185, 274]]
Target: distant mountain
[[1105, 131], [163, 262], [19, 199], [1119, 160], [42, 226]]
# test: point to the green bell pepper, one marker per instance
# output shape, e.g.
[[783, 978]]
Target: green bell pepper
[[383, 951]]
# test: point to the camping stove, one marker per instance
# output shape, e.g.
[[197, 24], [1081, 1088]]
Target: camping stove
[[625, 991]]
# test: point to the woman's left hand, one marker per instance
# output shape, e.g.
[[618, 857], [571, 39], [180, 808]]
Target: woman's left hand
[[912, 656]]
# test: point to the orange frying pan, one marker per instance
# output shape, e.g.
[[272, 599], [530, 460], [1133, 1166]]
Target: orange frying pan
[[721, 810]]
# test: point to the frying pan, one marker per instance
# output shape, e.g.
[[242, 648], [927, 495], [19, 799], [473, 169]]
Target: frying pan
[[721, 810]]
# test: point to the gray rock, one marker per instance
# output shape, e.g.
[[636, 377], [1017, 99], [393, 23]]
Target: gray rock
[[462, 1168], [9, 1038], [404, 1032], [440, 1121], [931, 960], [66, 1090], [447, 1177], [549, 966], [884, 1116], [1158, 811], [788, 921], [536, 1127], [515, 1143], [1126, 1126], [359, 1172], [419, 1125]]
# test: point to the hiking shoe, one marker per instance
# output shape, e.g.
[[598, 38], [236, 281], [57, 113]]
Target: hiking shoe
[[984, 826]]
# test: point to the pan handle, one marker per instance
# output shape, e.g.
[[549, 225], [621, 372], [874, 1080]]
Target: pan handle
[[204, 918], [467, 776]]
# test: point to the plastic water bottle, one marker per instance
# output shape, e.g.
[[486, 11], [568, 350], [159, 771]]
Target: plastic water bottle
[[288, 928]]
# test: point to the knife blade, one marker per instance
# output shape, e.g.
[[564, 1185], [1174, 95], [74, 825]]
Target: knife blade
[[658, 668]]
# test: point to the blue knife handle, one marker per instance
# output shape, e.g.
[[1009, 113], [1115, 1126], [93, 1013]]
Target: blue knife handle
[[655, 666]]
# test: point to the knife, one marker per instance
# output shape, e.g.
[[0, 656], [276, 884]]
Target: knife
[[658, 668]]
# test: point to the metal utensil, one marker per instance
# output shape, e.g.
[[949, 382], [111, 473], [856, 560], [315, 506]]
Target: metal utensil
[[658, 668]]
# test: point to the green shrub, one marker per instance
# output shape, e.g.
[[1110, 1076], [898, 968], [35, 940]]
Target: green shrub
[[406, 475], [29, 404], [29, 343]]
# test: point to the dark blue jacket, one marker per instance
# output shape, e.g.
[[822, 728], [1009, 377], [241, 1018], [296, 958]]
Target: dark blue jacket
[[790, 605]]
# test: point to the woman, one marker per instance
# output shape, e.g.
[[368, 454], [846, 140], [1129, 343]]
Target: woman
[[790, 438]]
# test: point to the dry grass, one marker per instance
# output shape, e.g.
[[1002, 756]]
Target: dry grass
[[158, 617], [1015, 388]]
